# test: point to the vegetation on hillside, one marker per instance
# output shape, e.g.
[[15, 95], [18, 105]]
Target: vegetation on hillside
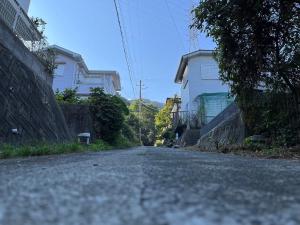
[[163, 123], [111, 116], [41, 48], [108, 114], [258, 50], [115, 127], [67, 96], [147, 121]]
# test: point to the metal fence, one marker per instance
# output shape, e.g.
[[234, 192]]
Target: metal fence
[[17, 20], [190, 119]]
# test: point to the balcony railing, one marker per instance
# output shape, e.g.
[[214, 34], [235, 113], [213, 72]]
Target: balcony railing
[[17, 20]]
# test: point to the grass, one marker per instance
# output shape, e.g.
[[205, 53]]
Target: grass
[[9, 151], [258, 150]]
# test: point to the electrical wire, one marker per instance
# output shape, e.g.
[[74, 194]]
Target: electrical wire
[[124, 48]]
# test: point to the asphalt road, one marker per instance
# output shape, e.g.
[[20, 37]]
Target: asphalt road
[[149, 186]]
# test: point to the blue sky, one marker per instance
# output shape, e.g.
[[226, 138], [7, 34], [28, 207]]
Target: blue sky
[[156, 31]]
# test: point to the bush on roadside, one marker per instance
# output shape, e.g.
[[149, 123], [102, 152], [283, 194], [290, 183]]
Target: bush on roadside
[[159, 143], [128, 133], [108, 114], [123, 142], [99, 145]]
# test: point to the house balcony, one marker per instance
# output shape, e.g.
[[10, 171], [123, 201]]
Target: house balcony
[[18, 21]]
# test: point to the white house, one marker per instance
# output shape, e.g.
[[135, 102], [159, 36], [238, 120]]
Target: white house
[[202, 92], [72, 72]]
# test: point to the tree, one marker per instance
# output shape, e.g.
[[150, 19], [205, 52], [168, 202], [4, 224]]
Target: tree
[[163, 121], [258, 47], [131, 128], [121, 104], [147, 122], [67, 96], [108, 114], [258, 42]]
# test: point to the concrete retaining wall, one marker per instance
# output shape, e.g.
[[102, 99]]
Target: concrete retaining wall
[[78, 119], [27, 102], [229, 111], [189, 138], [230, 131]]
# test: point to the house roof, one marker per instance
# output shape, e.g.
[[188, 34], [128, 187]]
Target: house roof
[[91, 73], [184, 62]]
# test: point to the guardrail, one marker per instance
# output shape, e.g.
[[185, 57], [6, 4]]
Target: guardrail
[[17, 20]]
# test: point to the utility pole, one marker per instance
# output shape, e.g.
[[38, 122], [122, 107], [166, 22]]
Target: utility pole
[[140, 112]]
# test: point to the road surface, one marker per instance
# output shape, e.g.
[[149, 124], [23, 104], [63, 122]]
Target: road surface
[[149, 186]]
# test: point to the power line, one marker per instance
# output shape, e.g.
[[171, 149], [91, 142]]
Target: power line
[[124, 47], [149, 107]]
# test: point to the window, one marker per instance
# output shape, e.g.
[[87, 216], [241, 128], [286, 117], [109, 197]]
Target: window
[[60, 70]]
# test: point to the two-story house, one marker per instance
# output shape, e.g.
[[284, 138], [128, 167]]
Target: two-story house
[[203, 95], [72, 72]]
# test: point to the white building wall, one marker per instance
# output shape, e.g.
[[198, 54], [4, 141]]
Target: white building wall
[[203, 77], [185, 91], [110, 85], [69, 74], [96, 80], [72, 73], [65, 73]]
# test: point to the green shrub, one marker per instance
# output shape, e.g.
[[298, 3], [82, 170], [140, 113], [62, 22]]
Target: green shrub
[[67, 96], [147, 121], [272, 114], [122, 142], [108, 116], [99, 145], [129, 133], [159, 143]]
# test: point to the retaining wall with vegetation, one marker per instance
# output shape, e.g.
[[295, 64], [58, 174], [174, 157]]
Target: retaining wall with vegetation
[[28, 109]]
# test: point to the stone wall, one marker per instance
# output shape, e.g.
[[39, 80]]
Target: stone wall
[[27, 102], [78, 119], [231, 131]]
